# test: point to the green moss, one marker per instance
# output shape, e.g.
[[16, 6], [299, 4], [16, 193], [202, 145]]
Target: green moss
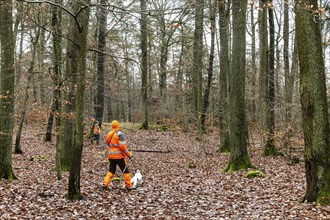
[[224, 147], [323, 198], [238, 165], [65, 167], [254, 173]]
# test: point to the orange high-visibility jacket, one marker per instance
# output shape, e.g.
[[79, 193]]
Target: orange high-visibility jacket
[[97, 130], [116, 145]]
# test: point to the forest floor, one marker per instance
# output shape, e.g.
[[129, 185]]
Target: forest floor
[[173, 188]]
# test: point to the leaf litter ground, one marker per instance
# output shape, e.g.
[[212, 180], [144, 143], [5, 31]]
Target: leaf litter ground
[[186, 183]]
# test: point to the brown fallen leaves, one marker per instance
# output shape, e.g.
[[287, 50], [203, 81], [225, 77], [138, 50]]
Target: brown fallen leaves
[[172, 188]]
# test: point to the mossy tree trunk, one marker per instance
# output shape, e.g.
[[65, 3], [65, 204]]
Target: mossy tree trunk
[[80, 33], [239, 158], [7, 81], [224, 9], [313, 100], [69, 89]]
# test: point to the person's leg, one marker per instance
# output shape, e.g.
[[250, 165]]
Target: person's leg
[[110, 173], [98, 139], [127, 177]]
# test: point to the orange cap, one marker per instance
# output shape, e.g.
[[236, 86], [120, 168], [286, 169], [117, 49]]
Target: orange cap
[[115, 125]]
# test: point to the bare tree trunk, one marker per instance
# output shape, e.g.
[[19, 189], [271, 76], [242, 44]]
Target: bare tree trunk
[[253, 65], [198, 65], [289, 79], [99, 99], [224, 9], [205, 102], [315, 121], [239, 158], [144, 64], [269, 145], [80, 34], [7, 82], [57, 60]]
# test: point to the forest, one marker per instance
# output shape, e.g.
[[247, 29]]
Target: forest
[[224, 105]]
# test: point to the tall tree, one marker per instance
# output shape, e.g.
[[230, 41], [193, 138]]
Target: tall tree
[[239, 158], [289, 75], [198, 65], [69, 88], [253, 62], [224, 9], [205, 103], [57, 62], [144, 63], [82, 10], [315, 121], [269, 145], [100, 85], [7, 81]]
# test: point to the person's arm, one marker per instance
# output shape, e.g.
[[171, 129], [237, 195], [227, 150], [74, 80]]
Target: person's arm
[[122, 144]]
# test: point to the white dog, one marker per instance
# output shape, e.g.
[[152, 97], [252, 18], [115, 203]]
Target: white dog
[[137, 179]]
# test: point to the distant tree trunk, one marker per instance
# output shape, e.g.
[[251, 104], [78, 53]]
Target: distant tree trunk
[[56, 26], [198, 65], [205, 102], [50, 121], [7, 82], [239, 158], [289, 79], [57, 61], [41, 57], [128, 83], [144, 64], [180, 97], [253, 65], [99, 99], [163, 63], [313, 100], [80, 34], [269, 147], [35, 41], [224, 9]]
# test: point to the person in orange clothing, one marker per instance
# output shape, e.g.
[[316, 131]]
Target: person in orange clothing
[[117, 153], [96, 133]]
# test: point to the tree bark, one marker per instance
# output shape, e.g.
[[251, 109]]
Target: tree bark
[[99, 99], [313, 100], [269, 145], [81, 39], [144, 64], [205, 102], [57, 61], [198, 65], [68, 118], [224, 9], [239, 158], [6, 90]]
